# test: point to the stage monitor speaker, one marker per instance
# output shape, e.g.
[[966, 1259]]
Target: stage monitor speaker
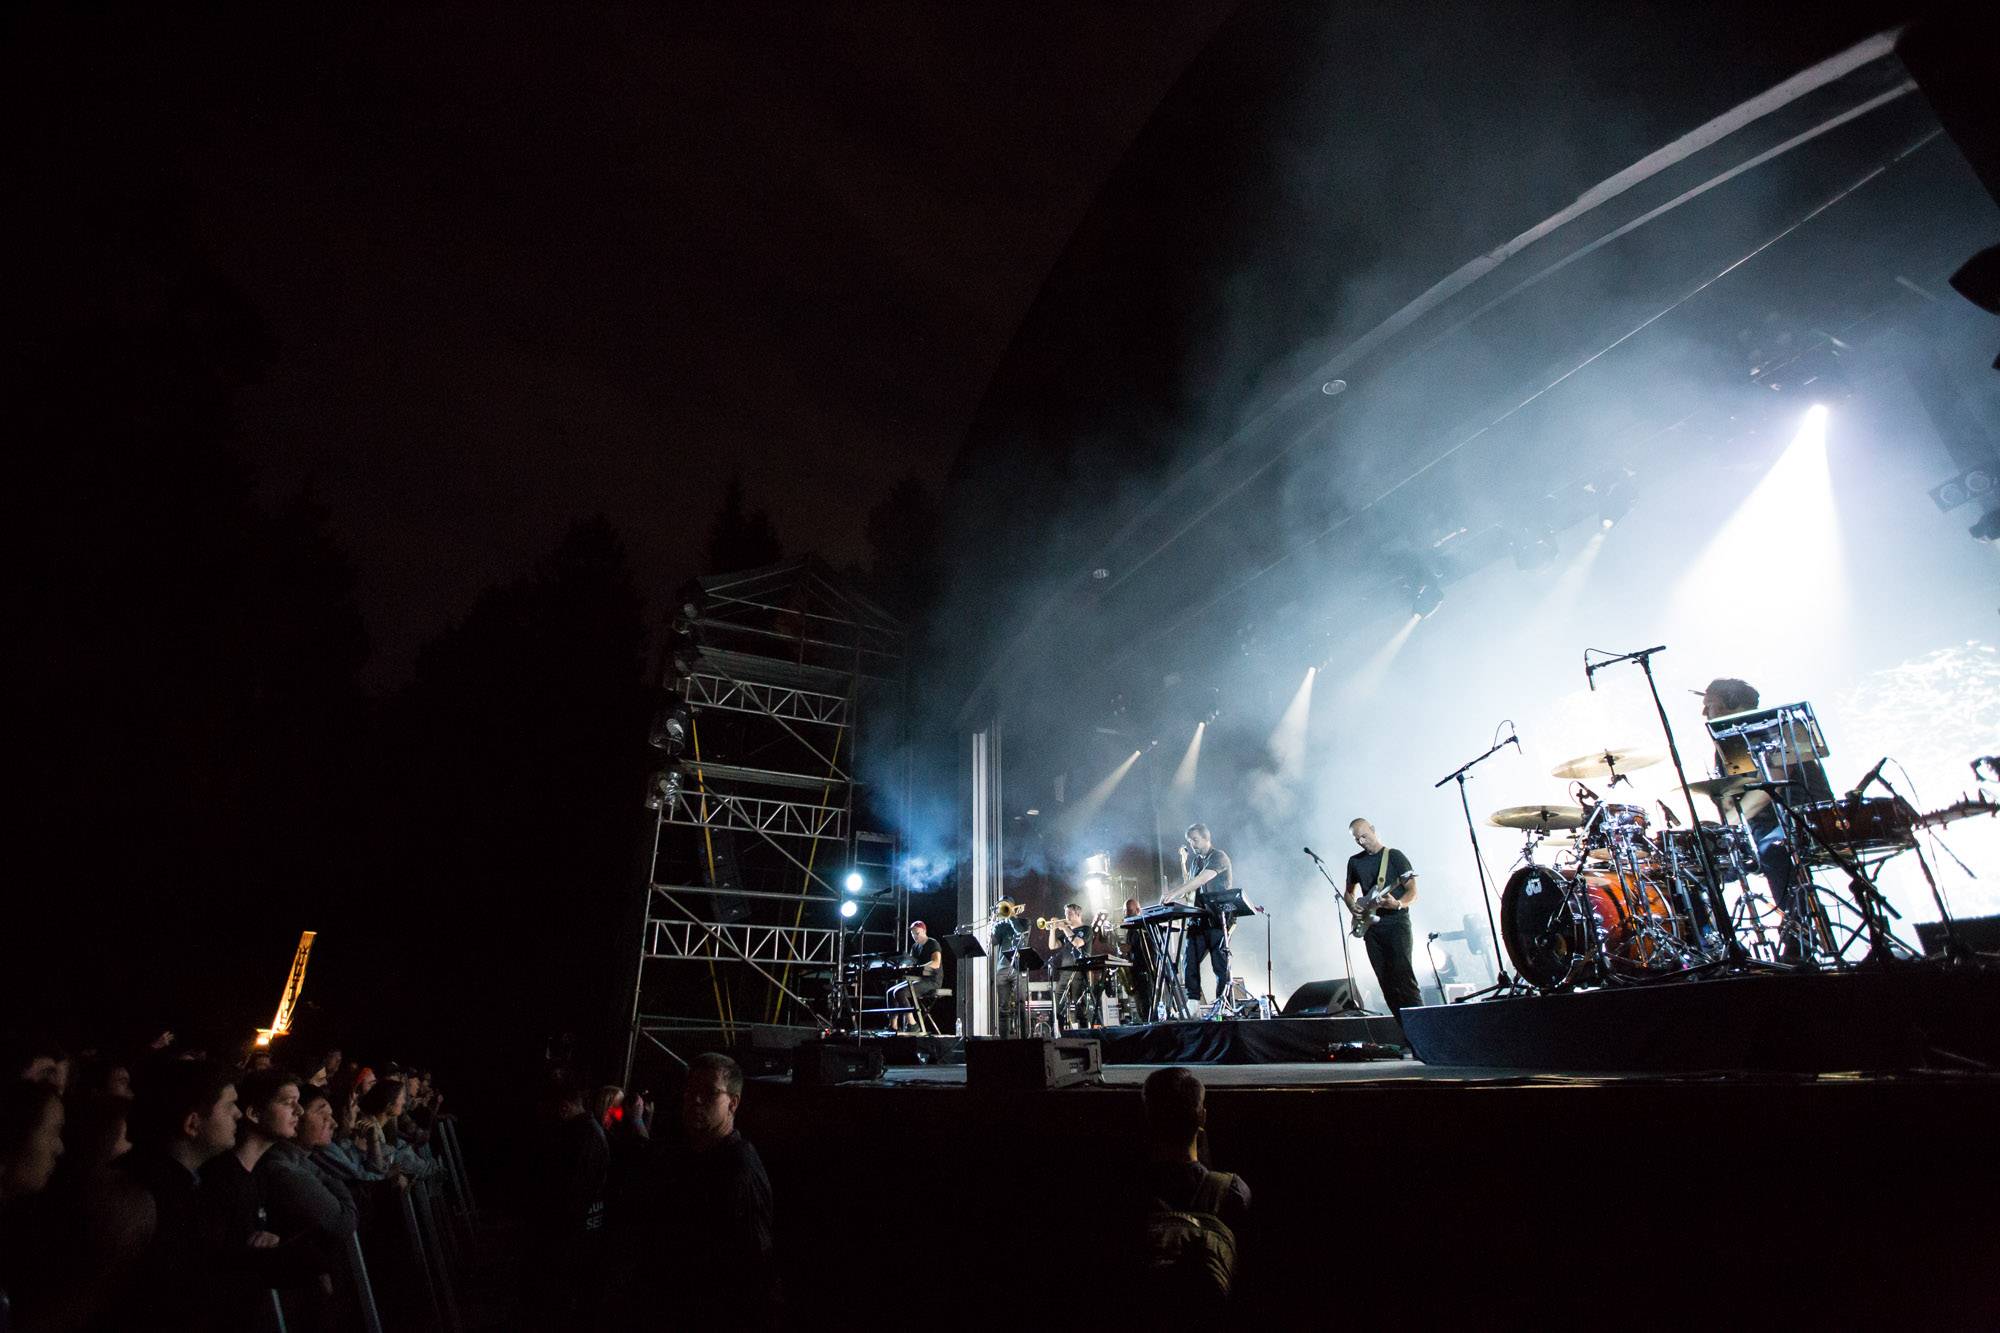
[[819, 1064], [1981, 934], [1031, 1064], [1317, 999]]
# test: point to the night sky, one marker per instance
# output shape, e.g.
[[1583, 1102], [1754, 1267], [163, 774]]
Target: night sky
[[596, 260]]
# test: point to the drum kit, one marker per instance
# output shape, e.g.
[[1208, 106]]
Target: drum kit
[[1600, 894]]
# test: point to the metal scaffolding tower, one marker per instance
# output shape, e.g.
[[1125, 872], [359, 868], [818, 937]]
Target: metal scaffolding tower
[[760, 809]]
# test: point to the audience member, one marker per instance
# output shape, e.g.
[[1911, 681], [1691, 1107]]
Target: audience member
[[81, 1223], [567, 1211], [39, 1058], [714, 1208], [251, 1257], [31, 1140], [308, 1206], [183, 1116], [31, 1137], [328, 1066], [1195, 1217]]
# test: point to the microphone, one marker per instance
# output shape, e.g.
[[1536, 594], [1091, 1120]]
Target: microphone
[[1313, 854], [1514, 740], [1873, 774], [1673, 821], [1589, 674]]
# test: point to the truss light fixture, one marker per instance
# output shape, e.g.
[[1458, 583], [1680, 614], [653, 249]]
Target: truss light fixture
[[848, 909], [670, 729], [854, 882], [663, 787]]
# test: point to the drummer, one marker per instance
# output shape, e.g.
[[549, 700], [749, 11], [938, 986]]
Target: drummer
[[1726, 695]]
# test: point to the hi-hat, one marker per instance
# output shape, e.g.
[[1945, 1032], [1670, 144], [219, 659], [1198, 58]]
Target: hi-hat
[[1606, 762], [1541, 818]]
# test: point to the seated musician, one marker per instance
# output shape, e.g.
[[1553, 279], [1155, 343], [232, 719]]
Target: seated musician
[[1068, 942], [927, 956], [1728, 695]]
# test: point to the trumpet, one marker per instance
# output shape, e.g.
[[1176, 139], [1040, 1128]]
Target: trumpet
[[1044, 922]]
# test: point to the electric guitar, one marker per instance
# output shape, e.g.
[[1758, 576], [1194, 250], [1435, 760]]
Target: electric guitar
[[1369, 908]]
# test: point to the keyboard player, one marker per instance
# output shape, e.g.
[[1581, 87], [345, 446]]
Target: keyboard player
[[925, 965]]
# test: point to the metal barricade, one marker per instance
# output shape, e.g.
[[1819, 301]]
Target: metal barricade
[[364, 1290]]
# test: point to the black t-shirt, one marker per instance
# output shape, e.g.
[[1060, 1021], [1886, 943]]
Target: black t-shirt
[[1071, 947], [712, 1210], [1218, 888], [1006, 940], [1363, 867], [921, 954]]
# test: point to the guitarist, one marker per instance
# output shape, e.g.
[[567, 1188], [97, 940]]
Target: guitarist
[[1384, 876]]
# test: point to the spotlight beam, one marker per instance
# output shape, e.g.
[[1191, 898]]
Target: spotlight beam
[[1093, 800], [1288, 738], [1184, 772]]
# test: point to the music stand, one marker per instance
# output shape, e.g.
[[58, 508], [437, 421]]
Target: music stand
[[1028, 959]]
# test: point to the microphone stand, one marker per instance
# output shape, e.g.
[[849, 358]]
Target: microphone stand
[[1353, 1005], [1718, 907], [1270, 989], [1430, 952], [1503, 983]]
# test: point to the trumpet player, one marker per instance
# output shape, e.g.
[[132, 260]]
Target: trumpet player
[[1068, 943], [1010, 994]]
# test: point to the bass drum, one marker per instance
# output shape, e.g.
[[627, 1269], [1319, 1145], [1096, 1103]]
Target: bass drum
[[1547, 920]]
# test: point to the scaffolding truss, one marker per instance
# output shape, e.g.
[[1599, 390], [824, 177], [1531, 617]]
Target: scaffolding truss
[[760, 810]]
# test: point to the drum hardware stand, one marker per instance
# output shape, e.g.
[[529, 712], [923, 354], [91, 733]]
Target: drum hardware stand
[[1711, 883], [1872, 907], [1353, 1005], [1503, 983]]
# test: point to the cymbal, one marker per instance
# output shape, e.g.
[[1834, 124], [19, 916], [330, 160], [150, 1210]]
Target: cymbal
[[1541, 817], [1721, 789], [1602, 763]]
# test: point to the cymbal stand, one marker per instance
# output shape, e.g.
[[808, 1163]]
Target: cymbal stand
[[1353, 1006], [1711, 882], [1503, 984]]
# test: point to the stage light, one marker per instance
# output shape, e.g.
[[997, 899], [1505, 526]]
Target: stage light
[[670, 729], [1987, 529], [663, 787], [1427, 599], [1534, 548], [1614, 494], [849, 908], [854, 881]]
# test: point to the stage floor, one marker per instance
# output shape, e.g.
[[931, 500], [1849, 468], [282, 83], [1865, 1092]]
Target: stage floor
[[1373, 1072]]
